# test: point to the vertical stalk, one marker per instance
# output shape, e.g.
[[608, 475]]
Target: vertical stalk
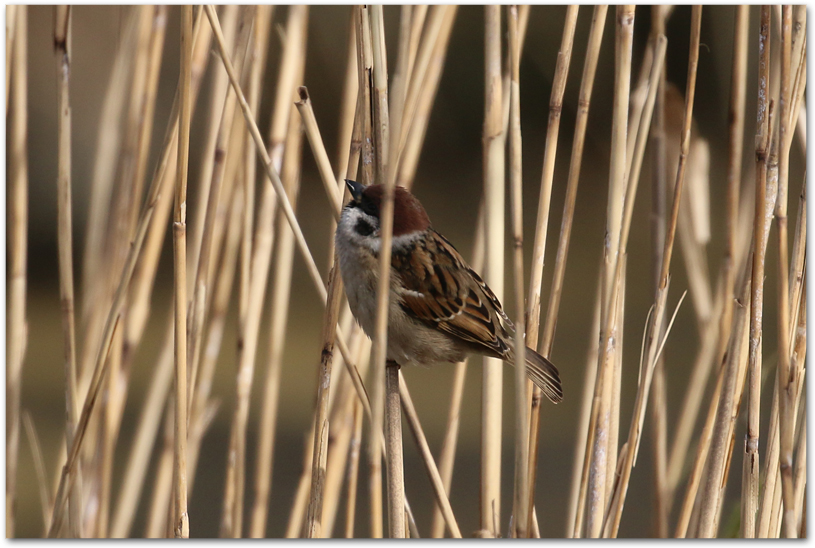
[[181, 526], [18, 242], [520, 506], [749, 496], [598, 484], [62, 49], [492, 383]]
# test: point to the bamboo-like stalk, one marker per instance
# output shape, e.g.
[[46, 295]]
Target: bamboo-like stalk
[[62, 47], [550, 151], [658, 409], [438, 487], [492, 377], [398, 90], [18, 256], [598, 446], [181, 526], [577, 499], [315, 509], [581, 120], [520, 508], [385, 389], [786, 376], [749, 497]]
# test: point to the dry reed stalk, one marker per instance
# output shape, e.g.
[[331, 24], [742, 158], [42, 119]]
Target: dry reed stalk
[[786, 377], [438, 487], [11, 20], [18, 257], [658, 409], [342, 418], [574, 519], [749, 497], [520, 506], [641, 401], [598, 446], [732, 376], [417, 20], [541, 231], [411, 148], [494, 187], [581, 120], [181, 525], [314, 517], [398, 91], [385, 390], [550, 152], [448, 449], [62, 49], [200, 293]]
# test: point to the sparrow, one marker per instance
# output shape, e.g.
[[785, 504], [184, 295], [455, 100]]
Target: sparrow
[[440, 310]]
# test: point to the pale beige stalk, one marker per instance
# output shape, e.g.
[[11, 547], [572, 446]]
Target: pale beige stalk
[[494, 192], [598, 446], [181, 526], [749, 495], [62, 47], [11, 20], [787, 377], [520, 502]]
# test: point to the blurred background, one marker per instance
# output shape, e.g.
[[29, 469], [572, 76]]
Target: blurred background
[[449, 184]]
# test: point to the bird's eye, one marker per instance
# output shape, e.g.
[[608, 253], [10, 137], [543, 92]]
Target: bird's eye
[[364, 228]]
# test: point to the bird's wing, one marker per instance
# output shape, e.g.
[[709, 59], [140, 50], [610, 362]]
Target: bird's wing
[[442, 291]]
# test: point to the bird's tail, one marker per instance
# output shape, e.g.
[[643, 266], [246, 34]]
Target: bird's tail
[[544, 374]]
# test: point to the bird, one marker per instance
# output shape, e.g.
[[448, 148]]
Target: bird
[[440, 309]]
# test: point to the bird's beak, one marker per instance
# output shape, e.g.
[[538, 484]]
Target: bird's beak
[[355, 189]]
